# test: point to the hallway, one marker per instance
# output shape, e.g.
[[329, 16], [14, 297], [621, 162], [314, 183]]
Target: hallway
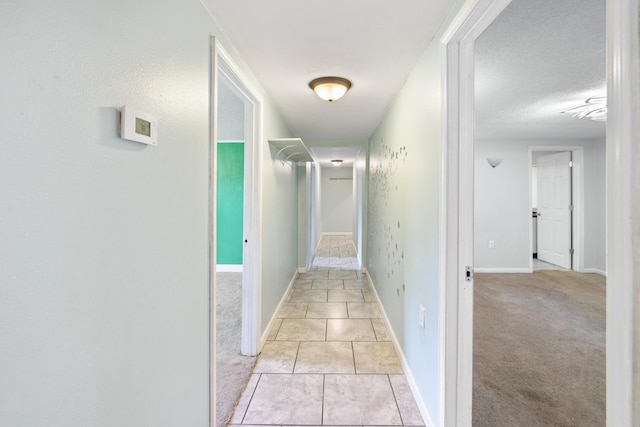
[[328, 359]]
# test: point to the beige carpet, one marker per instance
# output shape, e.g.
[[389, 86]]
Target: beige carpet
[[232, 369], [539, 350]]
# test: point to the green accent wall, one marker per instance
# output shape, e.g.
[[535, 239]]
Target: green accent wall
[[229, 211]]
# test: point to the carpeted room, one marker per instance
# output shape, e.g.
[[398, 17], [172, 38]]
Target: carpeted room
[[539, 337], [232, 369], [539, 349]]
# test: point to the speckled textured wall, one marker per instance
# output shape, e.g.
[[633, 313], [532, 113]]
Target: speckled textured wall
[[404, 222], [386, 207]]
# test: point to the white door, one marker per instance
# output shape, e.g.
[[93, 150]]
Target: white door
[[554, 212]]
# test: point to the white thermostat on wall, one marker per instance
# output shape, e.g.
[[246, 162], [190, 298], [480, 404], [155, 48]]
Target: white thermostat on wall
[[138, 126]]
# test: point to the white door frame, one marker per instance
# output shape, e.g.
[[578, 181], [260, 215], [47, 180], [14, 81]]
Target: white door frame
[[221, 62], [623, 214], [577, 198], [251, 281], [623, 373], [456, 202]]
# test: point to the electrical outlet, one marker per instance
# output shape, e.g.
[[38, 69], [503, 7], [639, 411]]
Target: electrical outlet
[[492, 244], [422, 316]]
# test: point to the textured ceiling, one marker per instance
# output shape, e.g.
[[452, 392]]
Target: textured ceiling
[[230, 112], [539, 58]]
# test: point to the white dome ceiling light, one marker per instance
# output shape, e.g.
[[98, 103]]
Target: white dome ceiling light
[[330, 88]]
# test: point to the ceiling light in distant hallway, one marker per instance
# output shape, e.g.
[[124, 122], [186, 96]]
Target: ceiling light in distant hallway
[[330, 88], [594, 108], [336, 162]]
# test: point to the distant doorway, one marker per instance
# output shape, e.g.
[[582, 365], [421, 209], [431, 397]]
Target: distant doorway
[[557, 197], [555, 209]]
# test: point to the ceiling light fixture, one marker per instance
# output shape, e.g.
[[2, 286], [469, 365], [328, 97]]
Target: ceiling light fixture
[[330, 88], [494, 161], [336, 162], [594, 108]]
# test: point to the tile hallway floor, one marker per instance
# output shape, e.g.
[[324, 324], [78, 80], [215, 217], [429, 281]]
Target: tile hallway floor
[[328, 359]]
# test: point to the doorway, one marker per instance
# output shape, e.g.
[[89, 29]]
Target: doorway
[[557, 190], [457, 190], [236, 127], [228, 75]]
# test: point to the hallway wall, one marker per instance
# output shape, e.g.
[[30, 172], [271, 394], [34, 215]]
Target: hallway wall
[[279, 221], [360, 204], [104, 262], [404, 220]]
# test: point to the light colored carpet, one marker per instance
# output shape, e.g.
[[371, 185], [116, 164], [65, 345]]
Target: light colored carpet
[[232, 369], [539, 349]]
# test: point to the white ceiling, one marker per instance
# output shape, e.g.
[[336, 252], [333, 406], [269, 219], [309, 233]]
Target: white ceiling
[[538, 58], [288, 43]]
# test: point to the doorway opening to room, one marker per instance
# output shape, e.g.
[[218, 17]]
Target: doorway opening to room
[[527, 348], [235, 213], [461, 257]]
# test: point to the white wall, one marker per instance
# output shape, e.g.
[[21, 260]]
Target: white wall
[[104, 314], [403, 221], [502, 203], [279, 220], [598, 207], [306, 242], [359, 203], [337, 199], [302, 215], [317, 203]]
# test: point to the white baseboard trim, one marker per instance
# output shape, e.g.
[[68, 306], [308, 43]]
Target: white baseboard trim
[[229, 268], [274, 316], [502, 270], [334, 233], [424, 412], [302, 270], [595, 270]]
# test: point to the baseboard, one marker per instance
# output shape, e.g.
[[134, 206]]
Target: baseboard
[[229, 268], [274, 317], [302, 270], [424, 412], [595, 270], [502, 270], [334, 233]]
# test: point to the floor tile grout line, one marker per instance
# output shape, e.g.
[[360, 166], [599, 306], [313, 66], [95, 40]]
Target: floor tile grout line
[[251, 398], [295, 362], [374, 330], [323, 391], [353, 357], [395, 398]]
